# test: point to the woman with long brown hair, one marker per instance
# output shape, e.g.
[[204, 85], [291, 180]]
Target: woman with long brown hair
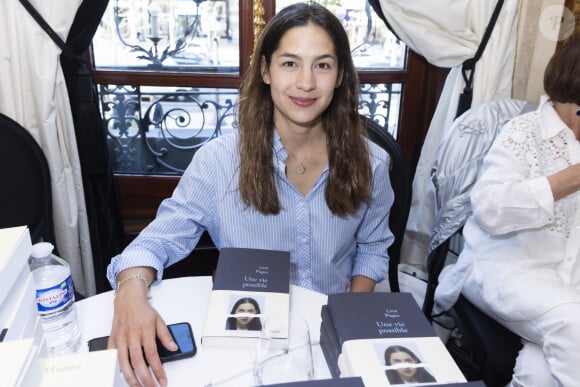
[[298, 175]]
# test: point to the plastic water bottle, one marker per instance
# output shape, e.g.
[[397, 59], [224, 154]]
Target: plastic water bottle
[[55, 300]]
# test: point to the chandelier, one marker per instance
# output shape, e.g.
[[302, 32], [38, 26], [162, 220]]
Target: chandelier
[[157, 52]]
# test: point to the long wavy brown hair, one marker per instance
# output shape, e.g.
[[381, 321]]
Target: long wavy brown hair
[[348, 158]]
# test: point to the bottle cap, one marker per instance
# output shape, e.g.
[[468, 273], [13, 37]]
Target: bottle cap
[[41, 250]]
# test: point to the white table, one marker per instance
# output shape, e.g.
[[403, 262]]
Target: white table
[[186, 299]]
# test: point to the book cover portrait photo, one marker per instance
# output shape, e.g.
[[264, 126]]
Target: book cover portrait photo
[[245, 312], [403, 364]]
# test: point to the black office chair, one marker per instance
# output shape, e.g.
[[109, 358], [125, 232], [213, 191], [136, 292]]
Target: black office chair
[[402, 186], [489, 350], [26, 196]]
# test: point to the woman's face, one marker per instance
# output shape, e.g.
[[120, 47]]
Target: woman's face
[[407, 374], [245, 308], [302, 75]]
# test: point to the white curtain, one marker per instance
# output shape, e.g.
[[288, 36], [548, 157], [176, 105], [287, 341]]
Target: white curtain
[[33, 93], [446, 33], [537, 39]]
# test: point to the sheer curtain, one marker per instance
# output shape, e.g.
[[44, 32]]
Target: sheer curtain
[[446, 33], [33, 93], [538, 36]]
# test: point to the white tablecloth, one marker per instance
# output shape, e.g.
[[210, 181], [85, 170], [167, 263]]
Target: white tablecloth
[[186, 299]]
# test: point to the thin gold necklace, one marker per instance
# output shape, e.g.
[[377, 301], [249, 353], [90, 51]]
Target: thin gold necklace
[[301, 168]]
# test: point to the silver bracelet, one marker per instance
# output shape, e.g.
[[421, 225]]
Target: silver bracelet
[[134, 276]]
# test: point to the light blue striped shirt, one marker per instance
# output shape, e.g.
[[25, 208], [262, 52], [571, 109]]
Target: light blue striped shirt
[[326, 250]]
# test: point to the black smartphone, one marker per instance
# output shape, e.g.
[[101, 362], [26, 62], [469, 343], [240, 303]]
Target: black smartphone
[[182, 334]]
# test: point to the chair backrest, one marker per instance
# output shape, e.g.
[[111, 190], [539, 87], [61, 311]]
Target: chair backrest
[[454, 172], [26, 196], [401, 183], [459, 158]]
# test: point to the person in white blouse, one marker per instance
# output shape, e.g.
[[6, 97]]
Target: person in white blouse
[[521, 260]]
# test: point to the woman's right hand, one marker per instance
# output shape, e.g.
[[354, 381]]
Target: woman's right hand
[[135, 327]]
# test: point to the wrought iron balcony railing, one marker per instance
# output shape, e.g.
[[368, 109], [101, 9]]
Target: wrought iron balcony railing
[[156, 130]]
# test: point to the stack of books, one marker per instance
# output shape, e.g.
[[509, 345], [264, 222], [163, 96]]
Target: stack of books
[[385, 339], [20, 363], [249, 286], [21, 338], [23, 353]]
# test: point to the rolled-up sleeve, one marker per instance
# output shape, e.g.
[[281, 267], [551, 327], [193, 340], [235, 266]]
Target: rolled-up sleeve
[[178, 225], [506, 197], [374, 235]]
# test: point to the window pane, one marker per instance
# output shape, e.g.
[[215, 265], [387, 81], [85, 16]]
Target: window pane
[[156, 130], [373, 45], [169, 35], [382, 103]]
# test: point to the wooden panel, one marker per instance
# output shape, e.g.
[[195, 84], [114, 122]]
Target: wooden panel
[[420, 96], [574, 6], [140, 196]]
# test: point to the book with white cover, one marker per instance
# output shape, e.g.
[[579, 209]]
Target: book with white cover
[[87, 369], [429, 362], [352, 316], [18, 314], [15, 245], [249, 285], [19, 359], [385, 339]]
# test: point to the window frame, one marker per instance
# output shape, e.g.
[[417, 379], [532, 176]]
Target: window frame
[[140, 195]]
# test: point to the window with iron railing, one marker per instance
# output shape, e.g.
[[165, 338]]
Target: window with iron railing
[[170, 50]]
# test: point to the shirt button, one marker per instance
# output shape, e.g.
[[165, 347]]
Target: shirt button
[[568, 259], [304, 240]]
